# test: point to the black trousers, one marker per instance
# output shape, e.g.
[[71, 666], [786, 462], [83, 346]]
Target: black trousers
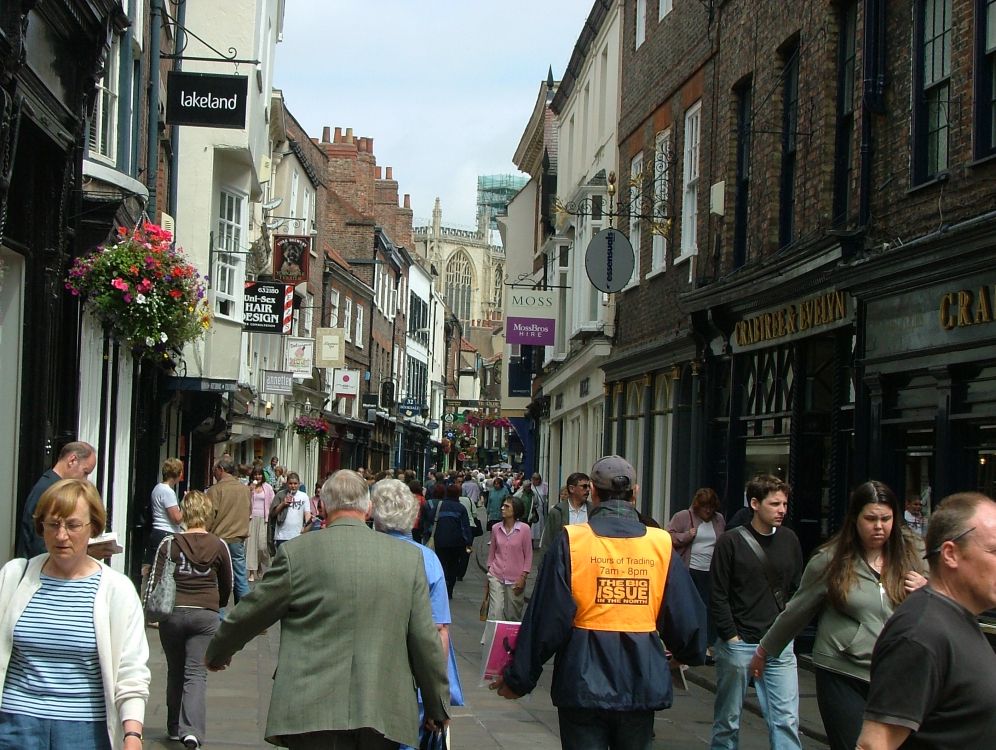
[[595, 729], [842, 704], [449, 558]]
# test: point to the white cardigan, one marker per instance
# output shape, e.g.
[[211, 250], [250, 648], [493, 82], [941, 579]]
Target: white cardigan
[[120, 628]]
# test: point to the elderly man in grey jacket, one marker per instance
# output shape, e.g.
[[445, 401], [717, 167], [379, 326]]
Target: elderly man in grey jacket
[[355, 627]]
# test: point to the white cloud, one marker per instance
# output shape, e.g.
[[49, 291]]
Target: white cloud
[[444, 88]]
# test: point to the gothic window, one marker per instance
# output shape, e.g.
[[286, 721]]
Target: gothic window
[[459, 286], [499, 277]]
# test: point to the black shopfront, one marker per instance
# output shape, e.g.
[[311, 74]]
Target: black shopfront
[[928, 368], [778, 392]]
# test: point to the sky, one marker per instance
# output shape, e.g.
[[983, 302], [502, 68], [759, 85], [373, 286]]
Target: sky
[[444, 87]]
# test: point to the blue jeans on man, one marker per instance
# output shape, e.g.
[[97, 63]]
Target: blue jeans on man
[[240, 579], [777, 692]]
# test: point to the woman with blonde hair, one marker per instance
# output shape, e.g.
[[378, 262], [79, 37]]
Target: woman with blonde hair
[[203, 576], [73, 653], [166, 515]]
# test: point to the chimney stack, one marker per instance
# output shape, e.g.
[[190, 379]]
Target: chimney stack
[[338, 135], [408, 200], [325, 134], [377, 173], [349, 135], [370, 145], [390, 173]]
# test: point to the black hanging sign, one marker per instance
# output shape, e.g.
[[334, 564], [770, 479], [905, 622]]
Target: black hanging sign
[[210, 100]]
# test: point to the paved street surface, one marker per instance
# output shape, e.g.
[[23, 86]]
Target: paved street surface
[[238, 697]]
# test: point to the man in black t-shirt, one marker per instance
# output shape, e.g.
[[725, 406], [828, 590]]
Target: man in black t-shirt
[[933, 675], [747, 595]]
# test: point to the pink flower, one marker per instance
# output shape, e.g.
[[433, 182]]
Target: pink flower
[[144, 285], [120, 284], [127, 298]]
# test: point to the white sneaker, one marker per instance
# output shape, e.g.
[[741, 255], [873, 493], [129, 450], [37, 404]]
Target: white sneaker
[[190, 742]]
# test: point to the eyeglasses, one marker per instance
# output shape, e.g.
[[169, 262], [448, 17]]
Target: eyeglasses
[[955, 538], [73, 526], [583, 487]]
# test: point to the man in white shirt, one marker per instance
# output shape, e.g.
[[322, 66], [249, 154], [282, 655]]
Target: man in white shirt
[[574, 509], [291, 510]]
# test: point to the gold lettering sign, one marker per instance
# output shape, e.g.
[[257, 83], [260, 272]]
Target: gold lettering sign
[[966, 308], [815, 312]]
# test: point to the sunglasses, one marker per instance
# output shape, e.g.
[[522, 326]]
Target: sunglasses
[[937, 549]]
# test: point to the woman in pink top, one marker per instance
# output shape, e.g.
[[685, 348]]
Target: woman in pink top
[[510, 558], [262, 496]]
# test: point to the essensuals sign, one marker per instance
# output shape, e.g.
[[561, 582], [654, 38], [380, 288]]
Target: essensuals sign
[[208, 100], [803, 318]]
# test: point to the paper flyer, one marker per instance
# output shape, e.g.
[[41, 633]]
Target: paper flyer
[[499, 644]]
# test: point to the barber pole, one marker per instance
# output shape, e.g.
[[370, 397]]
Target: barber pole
[[288, 307]]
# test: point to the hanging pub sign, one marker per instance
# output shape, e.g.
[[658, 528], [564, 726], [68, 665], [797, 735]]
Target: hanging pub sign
[[300, 356], [290, 258], [329, 351], [268, 307], [210, 100], [609, 261], [530, 316]]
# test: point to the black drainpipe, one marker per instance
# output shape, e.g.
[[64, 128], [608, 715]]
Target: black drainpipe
[[872, 98]]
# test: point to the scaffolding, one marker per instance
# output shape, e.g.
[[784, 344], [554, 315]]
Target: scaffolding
[[495, 192]]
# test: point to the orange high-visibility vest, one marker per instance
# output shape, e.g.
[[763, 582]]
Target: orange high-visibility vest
[[618, 584]]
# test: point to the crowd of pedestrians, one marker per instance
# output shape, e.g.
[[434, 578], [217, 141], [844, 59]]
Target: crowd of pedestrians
[[618, 604]]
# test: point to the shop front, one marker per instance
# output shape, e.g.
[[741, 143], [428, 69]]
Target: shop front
[[779, 401], [929, 370]]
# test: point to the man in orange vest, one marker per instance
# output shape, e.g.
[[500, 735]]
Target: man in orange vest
[[606, 596]]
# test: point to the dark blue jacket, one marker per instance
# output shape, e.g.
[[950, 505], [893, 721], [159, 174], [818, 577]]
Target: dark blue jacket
[[607, 670], [452, 526]]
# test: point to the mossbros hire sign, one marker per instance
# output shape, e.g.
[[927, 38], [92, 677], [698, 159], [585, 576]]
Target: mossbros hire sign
[[530, 317], [206, 99]]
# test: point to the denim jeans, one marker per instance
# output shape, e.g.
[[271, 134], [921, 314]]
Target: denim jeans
[[595, 729], [21, 732], [185, 635], [777, 692], [240, 580]]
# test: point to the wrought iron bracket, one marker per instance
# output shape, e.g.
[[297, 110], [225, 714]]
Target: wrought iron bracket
[[232, 56], [524, 281], [635, 201]]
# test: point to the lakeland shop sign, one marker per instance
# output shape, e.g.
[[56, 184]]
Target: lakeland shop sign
[[803, 318], [209, 100], [530, 318]]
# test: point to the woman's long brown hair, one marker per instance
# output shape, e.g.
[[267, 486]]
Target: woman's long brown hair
[[899, 555]]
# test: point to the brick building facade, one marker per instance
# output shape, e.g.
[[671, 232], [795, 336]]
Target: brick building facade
[[825, 321]]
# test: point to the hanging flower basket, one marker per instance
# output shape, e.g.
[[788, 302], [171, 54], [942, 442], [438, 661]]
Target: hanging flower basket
[[144, 290], [312, 428]]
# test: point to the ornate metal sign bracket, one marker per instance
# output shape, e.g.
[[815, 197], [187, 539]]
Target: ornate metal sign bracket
[[232, 56], [524, 281], [636, 203]]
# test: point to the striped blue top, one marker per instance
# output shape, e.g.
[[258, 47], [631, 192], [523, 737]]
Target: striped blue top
[[54, 670]]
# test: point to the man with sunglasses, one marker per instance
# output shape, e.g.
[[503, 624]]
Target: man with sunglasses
[[933, 674], [573, 509]]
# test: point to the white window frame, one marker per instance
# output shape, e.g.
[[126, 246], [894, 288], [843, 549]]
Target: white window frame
[[333, 308], [103, 141], [306, 214], [309, 310], [227, 282], [347, 318], [295, 181], [635, 208], [690, 182], [359, 326], [641, 22], [665, 7], [662, 194]]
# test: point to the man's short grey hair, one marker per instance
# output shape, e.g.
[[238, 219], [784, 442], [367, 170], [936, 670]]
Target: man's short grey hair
[[346, 490], [394, 506], [226, 463]]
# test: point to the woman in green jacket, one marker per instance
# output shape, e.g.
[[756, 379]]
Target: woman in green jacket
[[853, 582]]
